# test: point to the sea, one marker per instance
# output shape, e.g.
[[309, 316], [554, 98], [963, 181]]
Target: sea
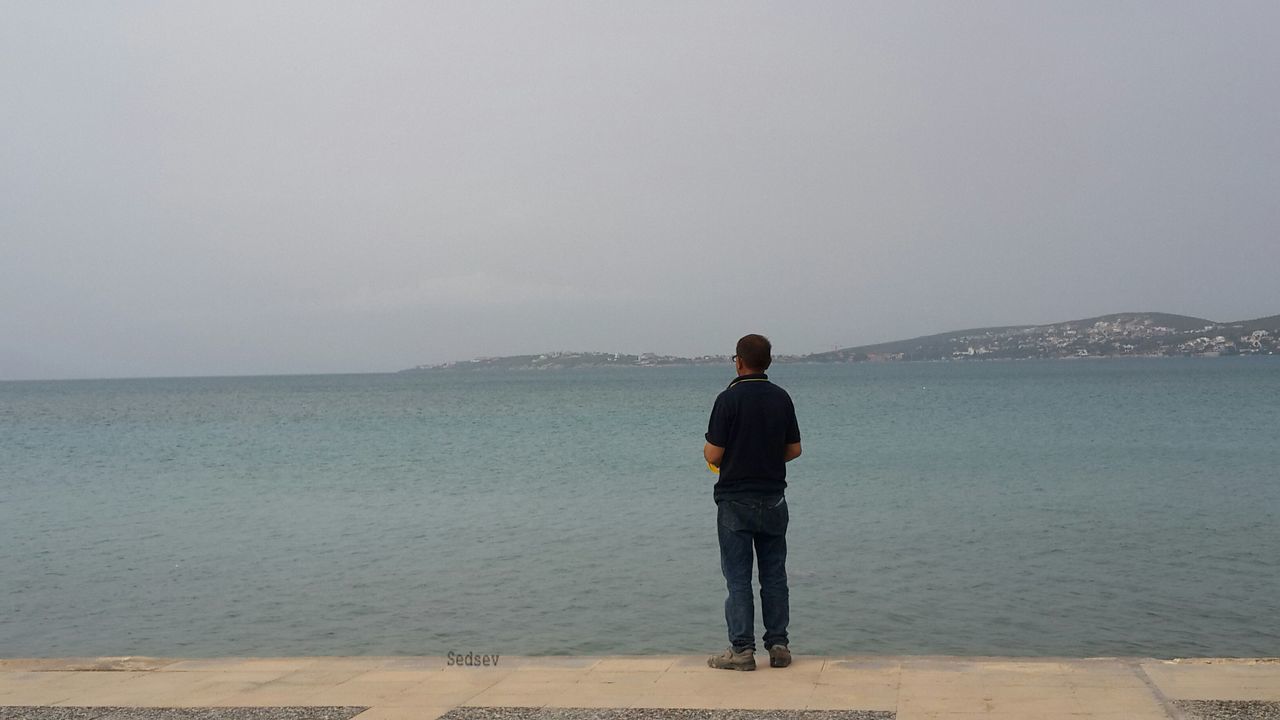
[[1030, 508]]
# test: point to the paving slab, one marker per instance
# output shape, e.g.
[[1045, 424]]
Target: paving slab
[[243, 664], [1216, 679], [133, 713], [517, 713]]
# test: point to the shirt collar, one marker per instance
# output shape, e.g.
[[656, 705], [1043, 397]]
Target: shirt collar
[[748, 376]]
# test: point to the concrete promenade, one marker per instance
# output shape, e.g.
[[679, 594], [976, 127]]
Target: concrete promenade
[[632, 687]]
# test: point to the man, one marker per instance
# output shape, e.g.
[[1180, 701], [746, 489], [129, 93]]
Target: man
[[751, 436]]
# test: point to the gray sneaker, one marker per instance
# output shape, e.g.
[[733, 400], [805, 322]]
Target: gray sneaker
[[779, 656], [734, 660]]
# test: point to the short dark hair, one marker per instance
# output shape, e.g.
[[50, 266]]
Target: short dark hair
[[755, 351]]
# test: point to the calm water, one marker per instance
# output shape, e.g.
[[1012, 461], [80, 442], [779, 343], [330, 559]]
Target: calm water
[[1034, 508]]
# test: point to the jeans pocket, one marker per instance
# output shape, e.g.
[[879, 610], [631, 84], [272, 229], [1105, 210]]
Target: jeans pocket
[[776, 519], [732, 516]]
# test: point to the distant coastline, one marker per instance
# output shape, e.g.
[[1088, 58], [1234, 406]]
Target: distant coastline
[[1141, 334]]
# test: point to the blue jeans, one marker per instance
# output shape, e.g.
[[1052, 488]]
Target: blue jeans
[[762, 523]]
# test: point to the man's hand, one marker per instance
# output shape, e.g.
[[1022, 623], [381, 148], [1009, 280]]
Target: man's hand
[[713, 453], [791, 453]]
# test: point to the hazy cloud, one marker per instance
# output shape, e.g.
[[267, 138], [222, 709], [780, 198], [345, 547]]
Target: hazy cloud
[[228, 187]]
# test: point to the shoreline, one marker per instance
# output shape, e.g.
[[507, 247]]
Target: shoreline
[[160, 662], [861, 687]]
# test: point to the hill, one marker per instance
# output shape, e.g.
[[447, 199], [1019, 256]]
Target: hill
[[1118, 334], [1115, 335]]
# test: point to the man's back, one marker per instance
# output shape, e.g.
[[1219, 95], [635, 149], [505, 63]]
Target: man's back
[[754, 421]]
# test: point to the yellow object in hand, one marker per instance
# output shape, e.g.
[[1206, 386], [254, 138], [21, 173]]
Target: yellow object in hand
[[713, 468]]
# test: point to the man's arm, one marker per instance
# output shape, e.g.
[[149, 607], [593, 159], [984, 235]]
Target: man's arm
[[793, 434], [713, 453], [717, 437]]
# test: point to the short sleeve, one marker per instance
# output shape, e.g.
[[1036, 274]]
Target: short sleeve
[[793, 426], [718, 425]]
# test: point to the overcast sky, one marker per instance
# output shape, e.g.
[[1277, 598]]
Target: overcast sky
[[277, 187]]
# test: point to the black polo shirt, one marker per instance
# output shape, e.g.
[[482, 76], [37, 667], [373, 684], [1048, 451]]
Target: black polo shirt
[[753, 420]]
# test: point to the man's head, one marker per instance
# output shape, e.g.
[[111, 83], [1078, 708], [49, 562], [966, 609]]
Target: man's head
[[754, 354]]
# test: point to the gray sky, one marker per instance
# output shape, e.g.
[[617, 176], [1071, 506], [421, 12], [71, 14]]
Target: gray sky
[[261, 187]]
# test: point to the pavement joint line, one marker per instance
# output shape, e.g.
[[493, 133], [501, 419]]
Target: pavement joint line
[[1171, 710]]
